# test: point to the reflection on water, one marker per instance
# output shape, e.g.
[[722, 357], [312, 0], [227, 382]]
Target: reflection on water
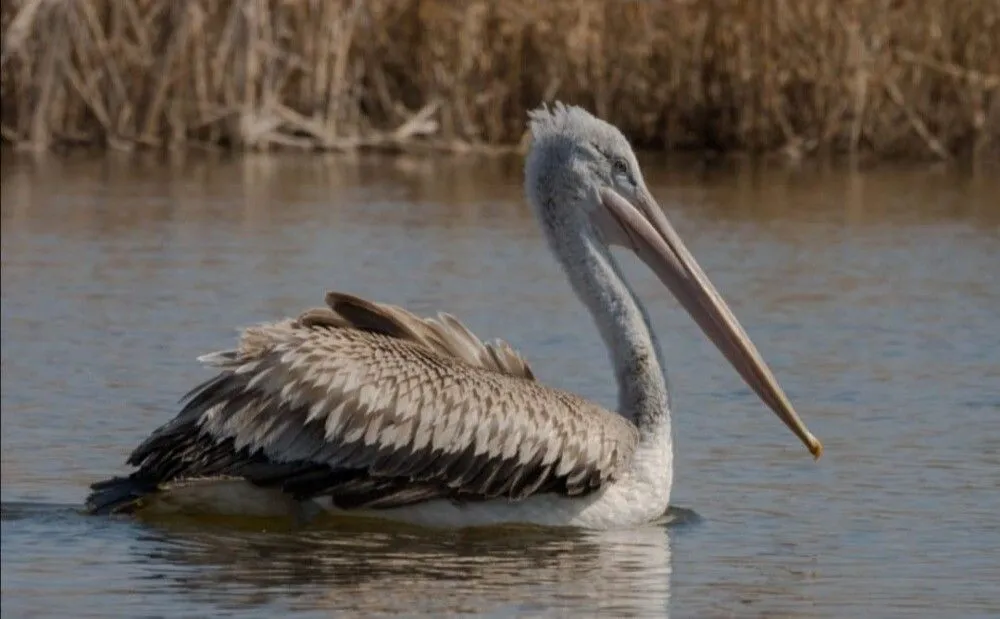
[[354, 566], [381, 572], [873, 296]]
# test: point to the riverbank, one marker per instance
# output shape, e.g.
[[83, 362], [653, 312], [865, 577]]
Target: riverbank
[[908, 79]]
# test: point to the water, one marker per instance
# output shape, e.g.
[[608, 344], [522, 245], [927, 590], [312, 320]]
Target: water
[[873, 295]]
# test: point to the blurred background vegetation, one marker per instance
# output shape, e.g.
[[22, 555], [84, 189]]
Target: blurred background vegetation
[[885, 78]]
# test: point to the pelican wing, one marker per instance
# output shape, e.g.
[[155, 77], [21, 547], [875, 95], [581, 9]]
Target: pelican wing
[[444, 335], [376, 407]]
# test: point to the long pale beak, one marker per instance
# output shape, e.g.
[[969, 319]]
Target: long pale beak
[[646, 230]]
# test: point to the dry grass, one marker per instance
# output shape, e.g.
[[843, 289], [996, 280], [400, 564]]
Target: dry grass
[[892, 78]]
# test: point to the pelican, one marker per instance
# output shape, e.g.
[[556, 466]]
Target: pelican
[[365, 408]]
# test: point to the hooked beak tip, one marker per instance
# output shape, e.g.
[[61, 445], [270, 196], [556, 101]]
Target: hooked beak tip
[[815, 447]]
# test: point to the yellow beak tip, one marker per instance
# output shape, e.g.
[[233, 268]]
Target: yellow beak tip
[[816, 449]]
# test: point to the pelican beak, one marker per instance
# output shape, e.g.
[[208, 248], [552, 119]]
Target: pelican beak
[[644, 228]]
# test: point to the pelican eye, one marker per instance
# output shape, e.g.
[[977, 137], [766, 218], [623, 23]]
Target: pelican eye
[[620, 169]]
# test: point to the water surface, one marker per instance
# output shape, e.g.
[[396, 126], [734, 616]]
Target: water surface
[[872, 294]]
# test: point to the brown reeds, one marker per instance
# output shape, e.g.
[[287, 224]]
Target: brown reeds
[[894, 78]]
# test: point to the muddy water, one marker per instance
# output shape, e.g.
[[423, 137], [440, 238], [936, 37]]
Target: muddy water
[[874, 295]]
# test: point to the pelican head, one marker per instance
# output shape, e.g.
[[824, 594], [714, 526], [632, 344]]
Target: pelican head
[[583, 180]]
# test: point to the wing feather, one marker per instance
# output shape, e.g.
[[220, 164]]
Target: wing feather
[[374, 406], [444, 334], [392, 407]]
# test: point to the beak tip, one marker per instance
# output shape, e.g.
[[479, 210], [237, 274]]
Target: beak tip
[[815, 447]]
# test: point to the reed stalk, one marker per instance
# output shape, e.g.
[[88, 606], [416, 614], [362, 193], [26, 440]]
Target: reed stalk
[[889, 78]]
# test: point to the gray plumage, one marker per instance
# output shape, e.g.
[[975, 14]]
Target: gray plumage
[[375, 407]]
